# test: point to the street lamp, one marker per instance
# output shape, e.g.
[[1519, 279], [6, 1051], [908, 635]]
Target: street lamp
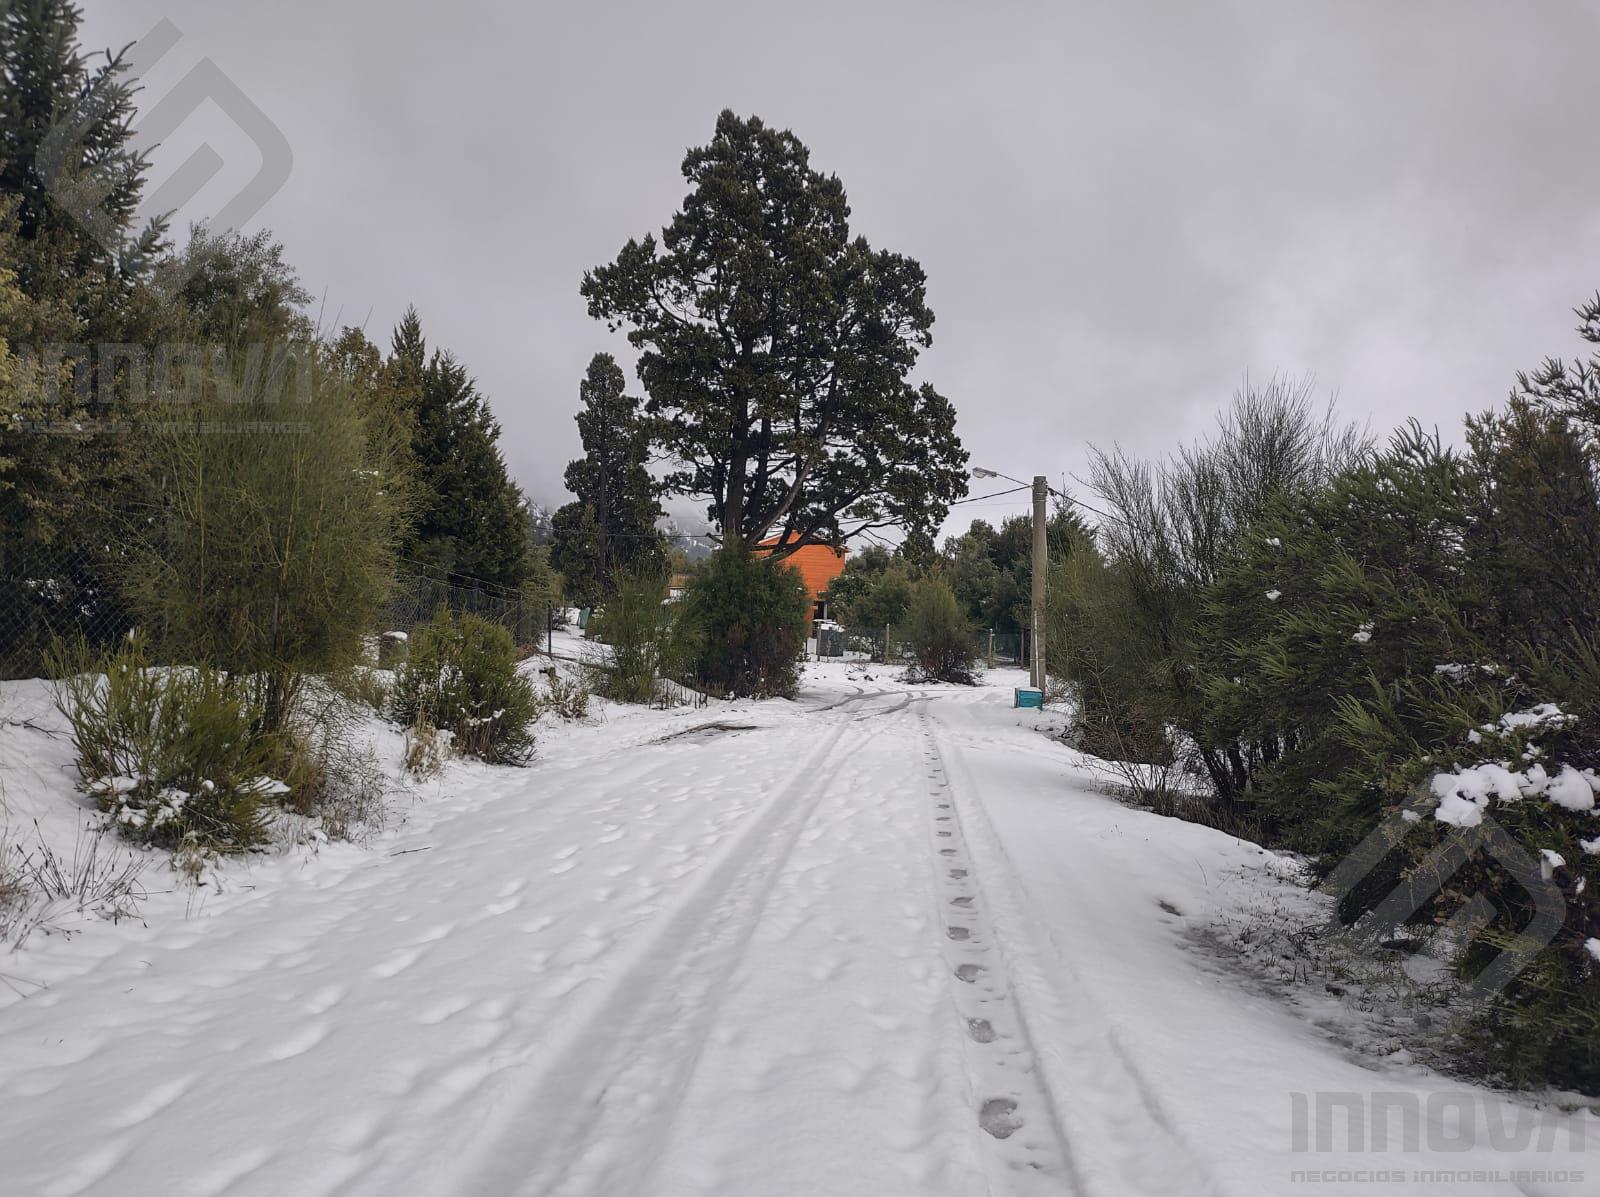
[[1041, 563]]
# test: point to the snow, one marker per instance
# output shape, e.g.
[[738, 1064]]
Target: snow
[[1464, 794], [1570, 789], [1546, 714], [1362, 634], [883, 940]]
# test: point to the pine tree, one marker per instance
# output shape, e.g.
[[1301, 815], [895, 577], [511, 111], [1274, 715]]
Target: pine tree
[[776, 349], [616, 526], [72, 186], [575, 552], [991, 571], [469, 514], [65, 153]]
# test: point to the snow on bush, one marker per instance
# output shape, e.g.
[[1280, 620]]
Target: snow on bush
[[1465, 794]]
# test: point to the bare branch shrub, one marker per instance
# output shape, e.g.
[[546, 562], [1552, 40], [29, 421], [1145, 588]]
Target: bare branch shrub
[[38, 887]]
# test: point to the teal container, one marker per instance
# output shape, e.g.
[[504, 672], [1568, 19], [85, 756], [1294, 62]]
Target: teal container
[[1027, 696]]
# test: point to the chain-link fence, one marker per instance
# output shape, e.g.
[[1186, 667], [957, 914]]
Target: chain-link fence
[[838, 642], [70, 593], [51, 592], [421, 590], [1001, 649]]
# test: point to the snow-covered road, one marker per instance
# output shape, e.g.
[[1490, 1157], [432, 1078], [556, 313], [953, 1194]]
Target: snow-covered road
[[882, 941]]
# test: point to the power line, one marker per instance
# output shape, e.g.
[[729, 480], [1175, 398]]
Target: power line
[[994, 495]]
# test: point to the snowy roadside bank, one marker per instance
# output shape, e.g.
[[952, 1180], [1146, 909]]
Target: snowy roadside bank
[[719, 951]]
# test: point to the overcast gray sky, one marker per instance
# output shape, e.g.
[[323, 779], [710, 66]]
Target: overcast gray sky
[[1121, 206]]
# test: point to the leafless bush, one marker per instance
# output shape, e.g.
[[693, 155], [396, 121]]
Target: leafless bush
[[426, 748], [340, 778], [569, 700], [363, 685], [14, 893], [354, 799], [38, 887]]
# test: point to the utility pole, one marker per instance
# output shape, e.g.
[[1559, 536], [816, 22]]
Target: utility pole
[[1041, 563], [1041, 568]]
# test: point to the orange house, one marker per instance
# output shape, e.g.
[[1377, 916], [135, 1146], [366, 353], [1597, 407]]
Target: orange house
[[819, 565]]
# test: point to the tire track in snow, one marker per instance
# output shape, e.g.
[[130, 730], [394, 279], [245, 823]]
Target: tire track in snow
[[1024, 1149], [594, 1113], [1123, 1140]]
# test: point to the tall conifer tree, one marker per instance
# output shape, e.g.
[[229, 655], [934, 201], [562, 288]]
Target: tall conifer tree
[[612, 523]]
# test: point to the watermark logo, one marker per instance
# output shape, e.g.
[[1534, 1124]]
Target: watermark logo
[[1454, 1137], [1447, 1122], [195, 387], [1424, 882], [66, 163]]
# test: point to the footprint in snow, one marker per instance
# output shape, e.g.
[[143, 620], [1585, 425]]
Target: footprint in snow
[[152, 1103], [442, 1011], [325, 999], [92, 1166], [957, 933], [357, 1133], [969, 972], [493, 1009], [999, 1117], [396, 964], [298, 1044]]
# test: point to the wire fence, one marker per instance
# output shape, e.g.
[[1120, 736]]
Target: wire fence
[[65, 594], [421, 590], [51, 593], [847, 643]]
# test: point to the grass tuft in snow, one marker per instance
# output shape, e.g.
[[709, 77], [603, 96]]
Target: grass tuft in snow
[[39, 889]]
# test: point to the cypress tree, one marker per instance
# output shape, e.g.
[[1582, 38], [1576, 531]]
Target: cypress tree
[[612, 524]]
